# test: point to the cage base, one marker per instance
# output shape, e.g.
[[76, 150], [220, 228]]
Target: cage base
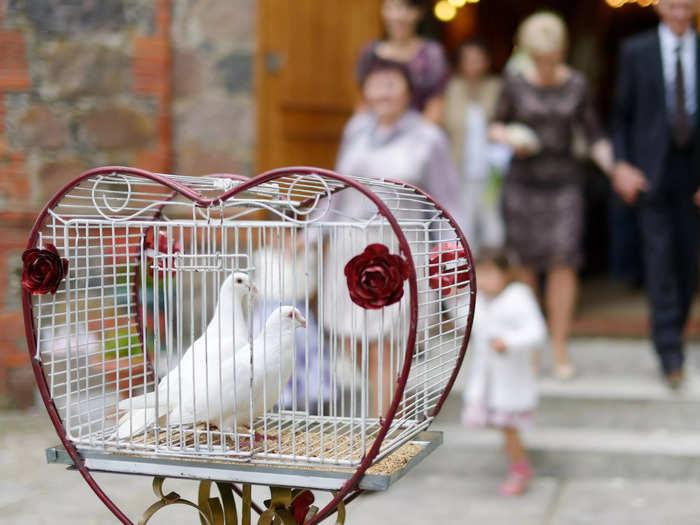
[[378, 478]]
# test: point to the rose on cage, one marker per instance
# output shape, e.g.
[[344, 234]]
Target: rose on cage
[[44, 270], [375, 277], [448, 265], [163, 246]]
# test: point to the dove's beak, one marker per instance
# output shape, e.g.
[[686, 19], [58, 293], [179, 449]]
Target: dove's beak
[[253, 290], [302, 322]]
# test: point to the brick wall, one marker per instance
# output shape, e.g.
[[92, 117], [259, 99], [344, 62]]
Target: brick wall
[[163, 85]]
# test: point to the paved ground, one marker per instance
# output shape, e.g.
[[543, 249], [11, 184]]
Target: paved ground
[[458, 483], [36, 493]]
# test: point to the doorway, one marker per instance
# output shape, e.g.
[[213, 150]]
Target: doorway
[[596, 31], [305, 77]]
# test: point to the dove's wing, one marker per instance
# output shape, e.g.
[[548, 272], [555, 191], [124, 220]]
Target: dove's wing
[[274, 355], [272, 367], [212, 378], [201, 358]]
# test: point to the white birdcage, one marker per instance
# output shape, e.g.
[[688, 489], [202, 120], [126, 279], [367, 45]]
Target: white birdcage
[[148, 269]]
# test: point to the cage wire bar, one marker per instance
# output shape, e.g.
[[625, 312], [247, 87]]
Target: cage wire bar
[[149, 255]]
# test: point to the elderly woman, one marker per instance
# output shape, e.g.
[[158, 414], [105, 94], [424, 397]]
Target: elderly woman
[[425, 59], [543, 194], [389, 140]]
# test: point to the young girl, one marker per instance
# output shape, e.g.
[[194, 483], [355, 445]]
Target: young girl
[[502, 392]]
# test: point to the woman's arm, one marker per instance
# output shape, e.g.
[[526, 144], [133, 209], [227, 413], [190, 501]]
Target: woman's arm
[[503, 113], [601, 150], [602, 155], [497, 133], [439, 76], [434, 110], [441, 180]]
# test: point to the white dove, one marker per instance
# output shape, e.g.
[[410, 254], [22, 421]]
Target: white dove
[[226, 331], [234, 404]]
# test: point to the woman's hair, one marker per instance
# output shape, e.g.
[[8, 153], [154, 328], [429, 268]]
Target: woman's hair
[[543, 33], [381, 64], [476, 42]]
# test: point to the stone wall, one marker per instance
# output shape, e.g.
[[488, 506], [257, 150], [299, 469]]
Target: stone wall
[[163, 85], [213, 43]]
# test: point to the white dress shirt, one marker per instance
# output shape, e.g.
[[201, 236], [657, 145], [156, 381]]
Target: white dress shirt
[[688, 43]]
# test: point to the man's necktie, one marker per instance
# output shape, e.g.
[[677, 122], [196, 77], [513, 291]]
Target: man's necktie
[[681, 120]]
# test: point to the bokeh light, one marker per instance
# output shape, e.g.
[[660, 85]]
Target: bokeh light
[[445, 11], [641, 3]]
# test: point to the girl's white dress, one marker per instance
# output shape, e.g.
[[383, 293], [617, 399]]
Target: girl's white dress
[[501, 388]]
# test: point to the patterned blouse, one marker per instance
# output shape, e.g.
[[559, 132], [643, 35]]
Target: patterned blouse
[[429, 70], [553, 113]]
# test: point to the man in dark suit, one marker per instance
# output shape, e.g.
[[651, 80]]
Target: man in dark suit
[[656, 138]]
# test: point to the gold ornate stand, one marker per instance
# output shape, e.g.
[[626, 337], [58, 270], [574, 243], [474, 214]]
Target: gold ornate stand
[[233, 480], [285, 507]]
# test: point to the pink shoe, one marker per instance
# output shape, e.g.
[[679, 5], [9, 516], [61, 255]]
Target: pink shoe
[[518, 477]]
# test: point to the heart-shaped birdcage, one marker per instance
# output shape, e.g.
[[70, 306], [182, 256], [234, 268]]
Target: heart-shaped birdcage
[[282, 330]]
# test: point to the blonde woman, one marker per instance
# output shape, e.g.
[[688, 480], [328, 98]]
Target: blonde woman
[[543, 194]]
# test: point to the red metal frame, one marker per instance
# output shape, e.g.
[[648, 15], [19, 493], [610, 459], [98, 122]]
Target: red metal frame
[[352, 484], [350, 489], [472, 281], [36, 364]]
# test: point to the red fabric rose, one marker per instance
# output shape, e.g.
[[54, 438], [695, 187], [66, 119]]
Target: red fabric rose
[[375, 277], [300, 506], [448, 265], [43, 270], [163, 242]]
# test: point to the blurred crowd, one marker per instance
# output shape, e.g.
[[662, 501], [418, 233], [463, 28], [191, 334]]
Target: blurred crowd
[[509, 143]]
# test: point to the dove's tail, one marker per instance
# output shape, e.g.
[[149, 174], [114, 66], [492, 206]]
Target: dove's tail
[[137, 421], [142, 401]]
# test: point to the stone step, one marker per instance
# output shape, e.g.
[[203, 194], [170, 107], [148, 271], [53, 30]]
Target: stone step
[[635, 402], [605, 356], [602, 357], [578, 452], [617, 386]]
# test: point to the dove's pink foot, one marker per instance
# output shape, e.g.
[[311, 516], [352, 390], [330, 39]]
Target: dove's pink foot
[[258, 438], [263, 437]]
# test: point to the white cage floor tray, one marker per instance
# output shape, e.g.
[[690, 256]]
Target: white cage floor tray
[[378, 477]]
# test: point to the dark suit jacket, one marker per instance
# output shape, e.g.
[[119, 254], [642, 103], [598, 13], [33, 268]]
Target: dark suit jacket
[[640, 126]]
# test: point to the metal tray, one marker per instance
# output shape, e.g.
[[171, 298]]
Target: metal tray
[[279, 475]]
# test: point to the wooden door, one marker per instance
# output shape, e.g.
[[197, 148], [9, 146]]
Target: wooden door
[[305, 76]]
